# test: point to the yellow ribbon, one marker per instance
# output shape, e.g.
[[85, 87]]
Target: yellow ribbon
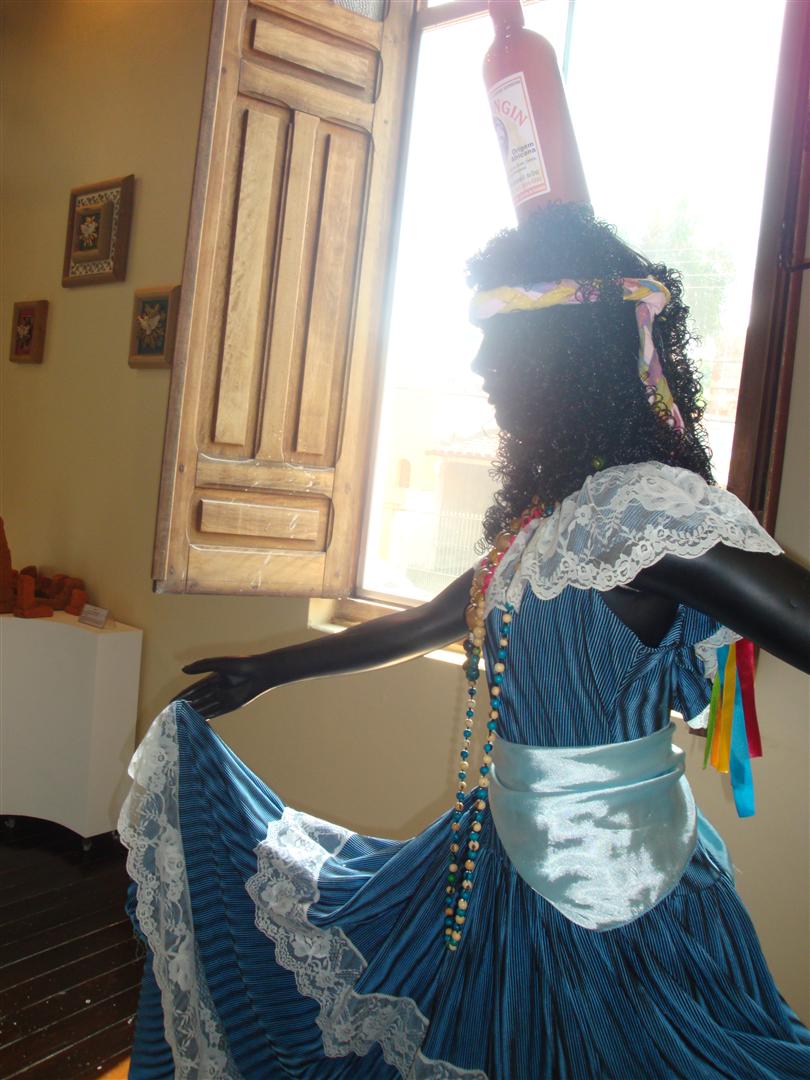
[[721, 744], [507, 298]]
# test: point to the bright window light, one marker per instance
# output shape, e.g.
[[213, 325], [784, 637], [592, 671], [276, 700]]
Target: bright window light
[[672, 109]]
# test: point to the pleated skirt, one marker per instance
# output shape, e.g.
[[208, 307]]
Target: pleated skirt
[[279, 945]]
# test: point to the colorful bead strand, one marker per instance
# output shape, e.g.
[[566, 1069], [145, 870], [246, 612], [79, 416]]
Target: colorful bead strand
[[463, 859], [459, 895]]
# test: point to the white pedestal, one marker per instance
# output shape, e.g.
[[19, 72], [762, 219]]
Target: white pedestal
[[68, 708]]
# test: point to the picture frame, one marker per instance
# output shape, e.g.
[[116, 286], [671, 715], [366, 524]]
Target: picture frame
[[154, 325], [97, 241], [28, 324]]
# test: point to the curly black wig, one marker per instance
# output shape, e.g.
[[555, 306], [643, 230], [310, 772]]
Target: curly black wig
[[564, 380]]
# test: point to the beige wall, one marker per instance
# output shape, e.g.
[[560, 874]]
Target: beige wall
[[94, 90]]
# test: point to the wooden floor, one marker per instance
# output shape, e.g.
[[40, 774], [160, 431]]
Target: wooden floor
[[69, 964]]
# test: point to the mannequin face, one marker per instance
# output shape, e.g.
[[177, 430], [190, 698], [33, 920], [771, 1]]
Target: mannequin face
[[492, 383], [483, 365], [505, 388]]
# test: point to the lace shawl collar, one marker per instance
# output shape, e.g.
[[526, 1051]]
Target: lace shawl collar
[[621, 521]]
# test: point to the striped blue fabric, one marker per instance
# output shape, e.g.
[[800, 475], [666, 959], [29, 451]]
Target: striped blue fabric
[[578, 676], [683, 991]]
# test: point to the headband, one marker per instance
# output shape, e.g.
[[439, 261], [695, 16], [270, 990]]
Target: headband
[[649, 296]]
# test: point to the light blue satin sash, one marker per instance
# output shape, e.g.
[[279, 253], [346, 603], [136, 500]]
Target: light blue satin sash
[[601, 832]]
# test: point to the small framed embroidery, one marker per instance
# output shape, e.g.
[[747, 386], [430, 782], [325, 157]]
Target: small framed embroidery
[[28, 331], [154, 322], [97, 242]]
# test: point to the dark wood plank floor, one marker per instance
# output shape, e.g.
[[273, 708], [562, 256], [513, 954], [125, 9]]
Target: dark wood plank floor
[[69, 962]]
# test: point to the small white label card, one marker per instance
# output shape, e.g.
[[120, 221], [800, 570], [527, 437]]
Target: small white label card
[[94, 616]]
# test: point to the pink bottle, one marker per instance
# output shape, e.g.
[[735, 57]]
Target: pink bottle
[[530, 114]]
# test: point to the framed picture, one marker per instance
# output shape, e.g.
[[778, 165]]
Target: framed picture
[[28, 331], [154, 321], [97, 240]]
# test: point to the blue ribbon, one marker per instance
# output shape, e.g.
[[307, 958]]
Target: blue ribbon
[[742, 782]]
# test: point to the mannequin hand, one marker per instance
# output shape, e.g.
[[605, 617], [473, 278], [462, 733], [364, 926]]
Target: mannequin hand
[[233, 682]]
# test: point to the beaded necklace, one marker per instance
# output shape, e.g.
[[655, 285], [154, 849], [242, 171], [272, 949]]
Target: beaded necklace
[[460, 882]]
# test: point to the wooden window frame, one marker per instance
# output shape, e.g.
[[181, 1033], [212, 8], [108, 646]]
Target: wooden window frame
[[760, 428], [770, 343], [289, 238]]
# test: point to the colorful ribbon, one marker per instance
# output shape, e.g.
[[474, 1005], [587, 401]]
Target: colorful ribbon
[[732, 735], [649, 296]]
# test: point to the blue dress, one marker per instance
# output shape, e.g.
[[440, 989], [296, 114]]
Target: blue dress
[[283, 946]]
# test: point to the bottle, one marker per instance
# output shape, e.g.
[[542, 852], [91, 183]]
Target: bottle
[[530, 114]]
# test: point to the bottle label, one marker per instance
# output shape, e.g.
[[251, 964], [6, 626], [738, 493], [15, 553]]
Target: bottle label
[[517, 136]]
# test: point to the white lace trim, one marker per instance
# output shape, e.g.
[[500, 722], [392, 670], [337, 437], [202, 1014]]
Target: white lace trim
[[149, 825], [707, 655], [620, 522], [707, 649], [325, 963]]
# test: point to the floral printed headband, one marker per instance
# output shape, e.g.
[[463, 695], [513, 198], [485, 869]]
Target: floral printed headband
[[649, 296]]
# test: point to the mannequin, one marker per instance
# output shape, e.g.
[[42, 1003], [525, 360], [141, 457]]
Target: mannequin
[[573, 885], [524, 360]]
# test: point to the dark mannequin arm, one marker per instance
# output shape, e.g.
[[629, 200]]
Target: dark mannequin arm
[[234, 681], [763, 597]]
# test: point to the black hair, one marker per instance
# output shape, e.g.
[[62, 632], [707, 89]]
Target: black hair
[[564, 380]]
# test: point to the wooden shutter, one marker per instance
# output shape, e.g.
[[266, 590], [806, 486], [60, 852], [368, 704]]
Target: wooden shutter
[[267, 440]]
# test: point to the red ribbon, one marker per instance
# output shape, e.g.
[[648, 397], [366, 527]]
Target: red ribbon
[[745, 670]]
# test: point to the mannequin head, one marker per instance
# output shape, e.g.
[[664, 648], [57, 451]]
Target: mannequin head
[[564, 381]]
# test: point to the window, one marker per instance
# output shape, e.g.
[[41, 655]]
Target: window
[[291, 239], [682, 182], [281, 312]]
